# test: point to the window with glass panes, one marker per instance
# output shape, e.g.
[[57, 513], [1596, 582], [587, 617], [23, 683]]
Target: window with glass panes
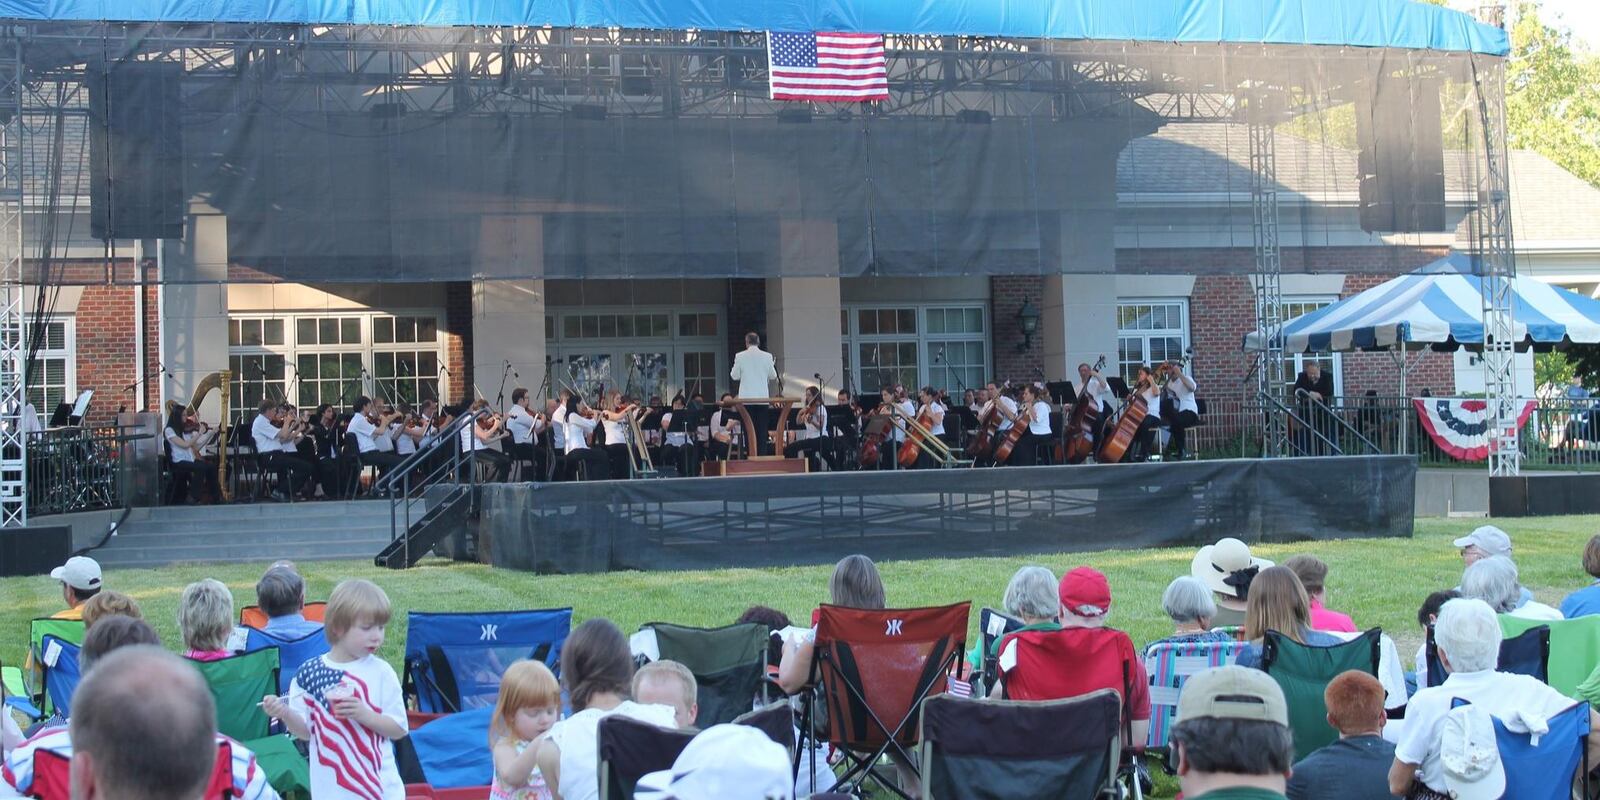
[[318, 358], [50, 378], [1149, 332], [957, 348], [944, 346], [405, 358], [648, 352], [1295, 363]]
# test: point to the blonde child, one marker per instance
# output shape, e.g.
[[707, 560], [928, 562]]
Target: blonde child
[[347, 702], [530, 702]]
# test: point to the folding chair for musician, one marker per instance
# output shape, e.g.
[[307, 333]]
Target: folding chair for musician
[[1022, 750], [729, 663], [876, 667], [454, 660], [1304, 671]]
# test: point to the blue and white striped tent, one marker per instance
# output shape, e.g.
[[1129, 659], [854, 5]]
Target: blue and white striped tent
[[1439, 306]]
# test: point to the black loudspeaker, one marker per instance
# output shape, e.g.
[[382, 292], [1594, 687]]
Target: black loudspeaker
[[1401, 159], [136, 151], [34, 551]]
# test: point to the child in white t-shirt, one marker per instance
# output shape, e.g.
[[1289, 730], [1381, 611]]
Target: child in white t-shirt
[[530, 702], [347, 703]]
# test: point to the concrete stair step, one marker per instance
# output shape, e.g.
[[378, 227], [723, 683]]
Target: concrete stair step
[[161, 557], [255, 528]]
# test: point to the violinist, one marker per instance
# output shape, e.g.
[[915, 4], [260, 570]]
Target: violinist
[[325, 439], [614, 421], [725, 429], [555, 413], [477, 439], [813, 439], [578, 422], [524, 426], [365, 424], [270, 433], [1185, 411], [185, 435]]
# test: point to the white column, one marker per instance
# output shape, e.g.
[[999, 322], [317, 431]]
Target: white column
[[1078, 322], [508, 314], [803, 313], [194, 308]]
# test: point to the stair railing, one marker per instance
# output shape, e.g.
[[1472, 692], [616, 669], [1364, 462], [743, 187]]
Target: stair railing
[[440, 459]]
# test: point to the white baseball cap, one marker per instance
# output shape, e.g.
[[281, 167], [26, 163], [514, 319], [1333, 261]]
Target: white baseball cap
[[1491, 540], [80, 572], [723, 762], [1469, 755]]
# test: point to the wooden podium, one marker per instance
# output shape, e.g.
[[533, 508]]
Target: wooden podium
[[753, 464]]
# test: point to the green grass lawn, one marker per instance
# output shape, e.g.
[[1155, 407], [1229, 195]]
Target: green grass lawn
[[1380, 582]]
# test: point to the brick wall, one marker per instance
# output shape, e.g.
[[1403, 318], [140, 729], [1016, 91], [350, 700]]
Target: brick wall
[[1007, 293], [106, 358], [458, 341]]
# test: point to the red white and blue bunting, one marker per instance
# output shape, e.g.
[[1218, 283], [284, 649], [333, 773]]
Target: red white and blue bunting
[[1460, 427]]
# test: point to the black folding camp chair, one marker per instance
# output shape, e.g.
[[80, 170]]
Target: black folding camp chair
[[728, 664], [630, 750], [1022, 750]]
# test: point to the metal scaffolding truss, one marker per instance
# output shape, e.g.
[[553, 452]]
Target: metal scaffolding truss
[[1496, 258], [13, 348], [1270, 383]]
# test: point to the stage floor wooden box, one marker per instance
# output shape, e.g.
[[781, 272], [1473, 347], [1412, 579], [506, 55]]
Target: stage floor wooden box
[[760, 465]]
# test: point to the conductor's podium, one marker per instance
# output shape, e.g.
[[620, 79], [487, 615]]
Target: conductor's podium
[[756, 465]]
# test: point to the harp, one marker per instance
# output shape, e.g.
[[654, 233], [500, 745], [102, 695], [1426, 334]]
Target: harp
[[219, 382]]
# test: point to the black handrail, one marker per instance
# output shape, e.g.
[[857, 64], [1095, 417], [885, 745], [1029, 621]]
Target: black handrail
[[461, 463]]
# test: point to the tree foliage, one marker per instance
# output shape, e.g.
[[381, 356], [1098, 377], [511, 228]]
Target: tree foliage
[[1553, 95]]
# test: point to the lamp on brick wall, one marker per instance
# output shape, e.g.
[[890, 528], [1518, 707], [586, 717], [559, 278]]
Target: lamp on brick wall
[[1028, 322]]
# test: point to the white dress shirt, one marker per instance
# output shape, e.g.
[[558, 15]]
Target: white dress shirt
[[1039, 422], [520, 423], [558, 428], [753, 370], [265, 435], [578, 426], [363, 430], [180, 445], [1183, 389], [1010, 407]]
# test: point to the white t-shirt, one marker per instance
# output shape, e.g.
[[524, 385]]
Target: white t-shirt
[[1534, 609], [816, 425], [1183, 388], [265, 435], [616, 431], [558, 428], [1010, 407], [674, 438], [403, 443], [936, 410], [577, 428], [1039, 423], [520, 423], [344, 752], [722, 417], [180, 451], [363, 430], [1499, 693], [578, 737]]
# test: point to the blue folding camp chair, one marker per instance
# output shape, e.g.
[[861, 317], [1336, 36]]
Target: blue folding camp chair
[[291, 652], [59, 660], [992, 626], [450, 750], [454, 660], [1545, 771], [1527, 653]]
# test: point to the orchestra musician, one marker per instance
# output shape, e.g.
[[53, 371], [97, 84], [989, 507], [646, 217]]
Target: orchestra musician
[[556, 412], [525, 427], [753, 369], [675, 444], [477, 439], [614, 420], [1006, 407], [365, 423], [185, 436], [579, 422], [274, 439], [1147, 386], [1034, 412], [933, 410], [724, 429], [326, 439], [814, 439], [1100, 396], [1185, 410]]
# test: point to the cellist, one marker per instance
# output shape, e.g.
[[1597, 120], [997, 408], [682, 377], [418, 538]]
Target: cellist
[[932, 412], [1099, 397], [1005, 408]]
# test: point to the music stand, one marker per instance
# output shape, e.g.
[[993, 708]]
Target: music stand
[[1119, 387], [1061, 392], [62, 416], [81, 408]]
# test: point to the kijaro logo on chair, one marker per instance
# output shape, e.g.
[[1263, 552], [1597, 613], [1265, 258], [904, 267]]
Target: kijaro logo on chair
[[454, 660], [490, 633], [892, 628]]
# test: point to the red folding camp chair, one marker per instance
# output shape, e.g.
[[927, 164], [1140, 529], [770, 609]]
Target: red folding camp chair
[[875, 668]]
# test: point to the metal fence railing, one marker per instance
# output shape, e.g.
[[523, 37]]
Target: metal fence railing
[[80, 469]]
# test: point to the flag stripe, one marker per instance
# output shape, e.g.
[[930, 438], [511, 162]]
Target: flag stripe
[[842, 67]]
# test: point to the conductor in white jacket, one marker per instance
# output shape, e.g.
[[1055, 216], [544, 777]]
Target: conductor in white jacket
[[753, 369]]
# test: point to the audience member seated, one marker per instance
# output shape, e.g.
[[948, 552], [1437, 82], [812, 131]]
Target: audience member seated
[[1467, 633], [1080, 656], [855, 584], [1586, 601], [596, 671], [1426, 616], [1356, 767], [124, 635], [80, 580], [775, 621], [1486, 541], [1189, 604], [281, 594], [725, 762], [1227, 569], [817, 776], [109, 604], [1231, 740], [1031, 596], [1278, 603], [205, 618], [1313, 575], [1494, 581], [668, 683]]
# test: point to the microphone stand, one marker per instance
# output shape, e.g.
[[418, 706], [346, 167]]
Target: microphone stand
[[500, 397]]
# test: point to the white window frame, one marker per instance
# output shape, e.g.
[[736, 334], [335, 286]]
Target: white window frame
[[291, 349], [1298, 360], [853, 338], [562, 349], [1184, 331], [68, 353]]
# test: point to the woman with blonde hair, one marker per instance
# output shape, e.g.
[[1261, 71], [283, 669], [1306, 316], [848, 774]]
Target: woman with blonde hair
[[205, 617], [1279, 603]]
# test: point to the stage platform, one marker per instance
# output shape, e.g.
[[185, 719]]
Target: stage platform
[[775, 520]]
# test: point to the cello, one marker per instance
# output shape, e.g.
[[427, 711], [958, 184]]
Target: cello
[[912, 449], [1078, 443], [1133, 413], [987, 425], [1019, 426]]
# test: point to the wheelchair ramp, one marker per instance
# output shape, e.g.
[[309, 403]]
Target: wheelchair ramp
[[447, 513], [315, 531]]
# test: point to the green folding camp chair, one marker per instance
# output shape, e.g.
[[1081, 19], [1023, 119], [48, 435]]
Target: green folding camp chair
[[286, 768], [238, 684], [1304, 672], [728, 664], [1574, 648]]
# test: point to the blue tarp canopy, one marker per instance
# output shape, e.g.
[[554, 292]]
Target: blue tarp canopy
[[1358, 23], [1440, 306]]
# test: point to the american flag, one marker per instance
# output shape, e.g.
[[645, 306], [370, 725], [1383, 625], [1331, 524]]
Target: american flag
[[348, 748], [827, 67]]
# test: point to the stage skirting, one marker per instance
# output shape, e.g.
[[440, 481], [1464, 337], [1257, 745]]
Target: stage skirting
[[806, 519]]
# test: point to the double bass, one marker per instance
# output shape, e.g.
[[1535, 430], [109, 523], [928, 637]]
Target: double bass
[[1078, 442], [1133, 413], [872, 439], [987, 425]]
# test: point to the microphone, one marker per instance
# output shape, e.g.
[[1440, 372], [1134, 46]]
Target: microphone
[[938, 358], [817, 376], [444, 369]]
